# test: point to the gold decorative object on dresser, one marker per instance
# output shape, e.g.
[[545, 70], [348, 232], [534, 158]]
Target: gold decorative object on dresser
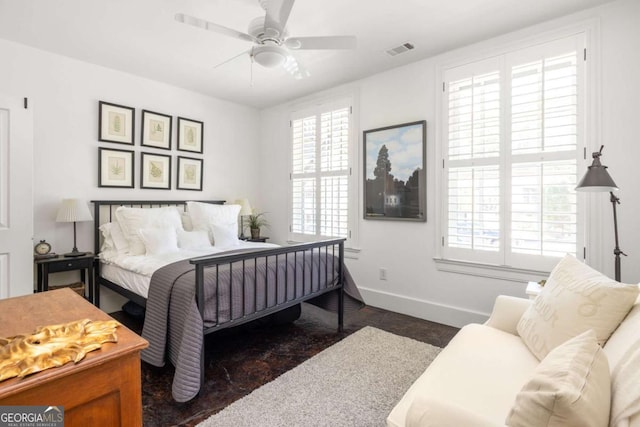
[[101, 389]]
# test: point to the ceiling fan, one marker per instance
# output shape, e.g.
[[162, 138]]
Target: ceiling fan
[[272, 46]]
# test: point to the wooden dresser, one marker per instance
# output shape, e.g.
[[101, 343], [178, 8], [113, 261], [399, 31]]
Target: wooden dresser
[[103, 389]]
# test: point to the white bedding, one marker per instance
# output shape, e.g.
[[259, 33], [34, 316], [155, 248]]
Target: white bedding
[[133, 272]]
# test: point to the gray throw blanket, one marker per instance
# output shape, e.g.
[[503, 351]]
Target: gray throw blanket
[[173, 324]]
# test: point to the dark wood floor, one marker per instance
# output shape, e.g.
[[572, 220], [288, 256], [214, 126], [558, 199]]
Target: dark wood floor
[[241, 360]]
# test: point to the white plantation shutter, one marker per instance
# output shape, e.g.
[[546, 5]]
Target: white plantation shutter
[[511, 146], [544, 208], [473, 160], [474, 117], [303, 186], [544, 124], [474, 203], [320, 177]]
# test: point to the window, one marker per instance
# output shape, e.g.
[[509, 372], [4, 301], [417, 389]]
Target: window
[[321, 178], [511, 143]]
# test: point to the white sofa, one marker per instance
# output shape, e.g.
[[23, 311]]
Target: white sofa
[[475, 379]]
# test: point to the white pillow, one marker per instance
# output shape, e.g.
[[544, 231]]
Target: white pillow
[[107, 240], [133, 219], [186, 221], [574, 299], [623, 353], [570, 387], [159, 241], [204, 214], [113, 237], [225, 236], [193, 239]]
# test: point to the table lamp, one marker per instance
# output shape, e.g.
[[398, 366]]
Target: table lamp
[[245, 209], [73, 210], [598, 179]]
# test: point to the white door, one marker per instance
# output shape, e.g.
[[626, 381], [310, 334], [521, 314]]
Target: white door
[[16, 197]]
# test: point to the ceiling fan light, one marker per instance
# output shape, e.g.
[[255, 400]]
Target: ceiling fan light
[[270, 56]]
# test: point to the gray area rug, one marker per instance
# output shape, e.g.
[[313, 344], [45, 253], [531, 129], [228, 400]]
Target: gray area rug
[[355, 382]]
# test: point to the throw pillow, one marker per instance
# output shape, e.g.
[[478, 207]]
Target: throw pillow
[[623, 354], [203, 215], [570, 387], [193, 239], [159, 241], [107, 240], [225, 236], [131, 220], [575, 298], [114, 238], [186, 221]]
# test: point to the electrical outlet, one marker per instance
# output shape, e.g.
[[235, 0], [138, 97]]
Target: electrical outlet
[[383, 274]]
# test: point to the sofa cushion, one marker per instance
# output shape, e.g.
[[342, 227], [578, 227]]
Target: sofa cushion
[[429, 411], [575, 298], [570, 387], [623, 353], [470, 372]]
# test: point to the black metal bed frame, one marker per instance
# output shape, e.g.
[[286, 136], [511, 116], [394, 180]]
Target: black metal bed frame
[[245, 260], [99, 214]]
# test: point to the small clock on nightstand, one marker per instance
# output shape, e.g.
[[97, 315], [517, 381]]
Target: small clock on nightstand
[[43, 251]]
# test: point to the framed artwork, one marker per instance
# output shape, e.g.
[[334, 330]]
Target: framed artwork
[[115, 168], [156, 130], [155, 171], [115, 123], [189, 174], [190, 135], [394, 173]]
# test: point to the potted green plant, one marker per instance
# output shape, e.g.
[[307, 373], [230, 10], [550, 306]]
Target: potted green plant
[[256, 222]]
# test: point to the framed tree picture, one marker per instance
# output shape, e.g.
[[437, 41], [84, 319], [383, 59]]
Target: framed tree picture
[[156, 130], [155, 171], [115, 123], [189, 174], [394, 173], [115, 168], [190, 134]]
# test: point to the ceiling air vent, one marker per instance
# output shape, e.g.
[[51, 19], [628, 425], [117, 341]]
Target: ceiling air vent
[[405, 47]]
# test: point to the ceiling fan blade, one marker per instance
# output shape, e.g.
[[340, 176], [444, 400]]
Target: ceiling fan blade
[[277, 16], [295, 68], [248, 51], [206, 25], [327, 42]]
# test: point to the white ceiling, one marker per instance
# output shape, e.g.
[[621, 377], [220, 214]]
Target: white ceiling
[[141, 37]]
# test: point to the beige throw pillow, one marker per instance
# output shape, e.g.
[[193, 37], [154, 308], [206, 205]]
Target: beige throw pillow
[[570, 387], [575, 298]]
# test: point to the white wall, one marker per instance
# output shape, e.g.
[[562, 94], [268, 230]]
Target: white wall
[[64, 94], [414, 285]]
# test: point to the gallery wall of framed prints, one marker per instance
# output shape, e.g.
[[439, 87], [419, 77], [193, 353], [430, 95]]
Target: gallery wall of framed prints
[[116, 167]]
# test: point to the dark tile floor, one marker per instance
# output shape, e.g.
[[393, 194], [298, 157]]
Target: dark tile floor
[[244, 358]]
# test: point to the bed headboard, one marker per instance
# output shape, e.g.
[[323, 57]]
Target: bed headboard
[[104, 210]]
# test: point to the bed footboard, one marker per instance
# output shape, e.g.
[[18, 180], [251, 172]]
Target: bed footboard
[[294, 273], [247, 285]]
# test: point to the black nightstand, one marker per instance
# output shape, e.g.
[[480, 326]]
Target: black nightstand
[[259, 239], [60, 263]]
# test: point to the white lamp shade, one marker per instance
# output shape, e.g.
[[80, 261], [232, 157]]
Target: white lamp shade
[[73, 210], [245, 207]]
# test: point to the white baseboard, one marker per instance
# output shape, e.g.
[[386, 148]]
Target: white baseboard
[[428, 310]]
